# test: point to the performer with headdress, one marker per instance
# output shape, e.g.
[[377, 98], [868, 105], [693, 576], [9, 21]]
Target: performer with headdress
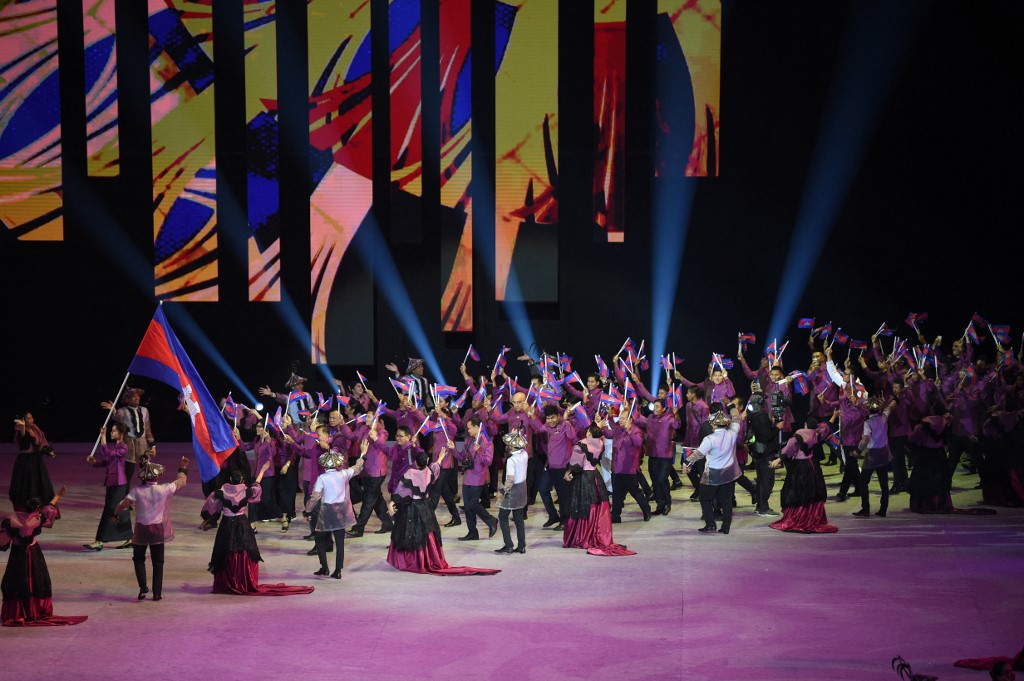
[[331, 504], [416, 537], [302, 402], [153, 529], [512, 496], [111, 456], [875, 447], [236, 557], [138, 429], [27, 591], [414, 376], [589, 522], [29, 478]]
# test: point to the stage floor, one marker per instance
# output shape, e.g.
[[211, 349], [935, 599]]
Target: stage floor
[[756, 604]]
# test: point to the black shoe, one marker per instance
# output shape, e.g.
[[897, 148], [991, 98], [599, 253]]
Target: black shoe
[[559, 527], [309, 537], [724, 530], [649, 496], [550, 522], [454, 522], [830, 462], [336, 574], [863, 514], [616, 520], [142, 592], [675, 486], [668, 507], [880, 514], [707, 529], [505, 549], [322, 572], [158, 597], [492, 528], [647, 515], [695, 496], [354, 533], [521, 549], [472, 536], [658, 511], [383, 530], [840, 497], [767, 512]]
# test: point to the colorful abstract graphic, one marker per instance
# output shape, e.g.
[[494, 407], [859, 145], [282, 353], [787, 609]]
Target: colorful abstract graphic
[[610, 119], [101, 88], [184, 159], [263, 192], [341, 145], [456, 160], [31, 197], [689, 44], [406, 96], [526, 139]]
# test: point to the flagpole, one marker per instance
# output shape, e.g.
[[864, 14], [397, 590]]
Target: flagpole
[[110, 412]]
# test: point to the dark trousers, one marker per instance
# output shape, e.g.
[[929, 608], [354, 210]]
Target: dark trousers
[[748, 484], [883, 480], [506, 534], [958, 444], [474, 509], [553, 478], [851, 476], [765, 476], [314, 520], [156, 554], [673, 474], [898, 447], [323, 540], [268, 508], [623, 483], [373, 502], [286, 486], [695, 474], [658, 468], [720, 496], [442, 489], [641, 480], [535, 467]]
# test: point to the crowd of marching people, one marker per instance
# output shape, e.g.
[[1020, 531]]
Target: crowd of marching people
[[570, 447]]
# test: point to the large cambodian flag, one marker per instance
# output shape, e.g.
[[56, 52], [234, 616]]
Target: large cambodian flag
[[161, 357]]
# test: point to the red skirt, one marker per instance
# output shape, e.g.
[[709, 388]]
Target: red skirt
[[241, 576], [430, 560], [593, 533], [35, 612], [810, 519]]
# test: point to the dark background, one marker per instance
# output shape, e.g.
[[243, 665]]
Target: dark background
[[930, 223]]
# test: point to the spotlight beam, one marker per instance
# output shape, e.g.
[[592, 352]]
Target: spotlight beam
[[672, 208], [874, 47]]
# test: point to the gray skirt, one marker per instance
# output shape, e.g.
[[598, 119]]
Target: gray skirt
[[516, 497], [334, 517]]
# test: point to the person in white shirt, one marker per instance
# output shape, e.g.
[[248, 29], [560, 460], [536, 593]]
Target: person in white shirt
[[331, 503], [152, 503], [512, 496], [719, 479]]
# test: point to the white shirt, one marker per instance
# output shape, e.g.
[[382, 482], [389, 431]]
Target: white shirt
[[333, 485], [515, 467]]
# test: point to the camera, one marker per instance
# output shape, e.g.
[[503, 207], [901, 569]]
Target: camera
[[778, 405]]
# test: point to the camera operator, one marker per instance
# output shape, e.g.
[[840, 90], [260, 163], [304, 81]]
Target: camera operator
[[764, 427]]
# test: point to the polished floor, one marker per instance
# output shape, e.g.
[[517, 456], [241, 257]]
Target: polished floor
[[756, 604]]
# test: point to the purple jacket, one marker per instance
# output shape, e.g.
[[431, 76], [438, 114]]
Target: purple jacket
[[112, 456]]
